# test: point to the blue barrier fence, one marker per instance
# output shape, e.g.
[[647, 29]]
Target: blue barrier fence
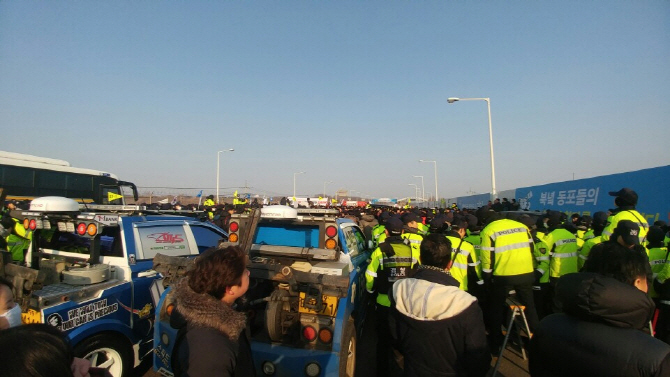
[[586, 196]]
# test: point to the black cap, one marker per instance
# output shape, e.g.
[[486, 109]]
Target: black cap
[[527, 221], [599, 219], [554, 218], [655, 234], [459, 222], [394, 225], [438, 224], [628, 196], [629, 232], [409, 217]]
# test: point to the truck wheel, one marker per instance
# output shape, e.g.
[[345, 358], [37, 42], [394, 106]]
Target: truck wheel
[[348, 350], [108, 352], [273, 311]]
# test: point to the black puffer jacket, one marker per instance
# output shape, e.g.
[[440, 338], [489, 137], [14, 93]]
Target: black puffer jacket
[[439, 328], [212, 340], [599, 333]]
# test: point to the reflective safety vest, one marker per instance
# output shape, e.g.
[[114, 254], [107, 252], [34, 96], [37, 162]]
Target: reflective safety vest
[[580, 234], [377, 231], [542, 259], [658, 257], [588, 235], [562, 246], [631, 215], [586, 249], [391, 261], [18, 240], [476, 240], [463, 260], [422, 229], [208, 204], [414, 241], [507, 248]]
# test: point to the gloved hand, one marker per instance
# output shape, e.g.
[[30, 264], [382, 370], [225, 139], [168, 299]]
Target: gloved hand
[[6, 221], [538, 276]]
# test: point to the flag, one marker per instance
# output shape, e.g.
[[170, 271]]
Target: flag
[[235, 194], [199, 194], [112, 196]]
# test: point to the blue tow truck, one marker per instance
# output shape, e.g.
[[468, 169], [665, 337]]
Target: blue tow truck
[[90, 274], [306, 297]]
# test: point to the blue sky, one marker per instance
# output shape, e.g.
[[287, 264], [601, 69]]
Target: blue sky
[[352, 92]]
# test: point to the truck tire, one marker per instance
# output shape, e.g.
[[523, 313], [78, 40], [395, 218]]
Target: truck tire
[[348, 350], [107, 351]]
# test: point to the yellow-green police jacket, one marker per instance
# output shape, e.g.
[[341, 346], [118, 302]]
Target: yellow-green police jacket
[[463, 256], [386, 267], [562, 246], [628, 214], [586, 250], [657, 259], [507, 248], [542, 259]]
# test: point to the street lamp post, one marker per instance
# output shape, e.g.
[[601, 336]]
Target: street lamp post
[[218, 158], [488, 103], [324, 187], [416, 189], [294, 174], [436, 196], [423, 188]]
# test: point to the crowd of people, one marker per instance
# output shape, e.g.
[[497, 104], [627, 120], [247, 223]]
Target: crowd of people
[[595, 291]]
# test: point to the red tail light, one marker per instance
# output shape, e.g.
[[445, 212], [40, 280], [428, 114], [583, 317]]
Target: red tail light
[[331, 231], [309, 333]]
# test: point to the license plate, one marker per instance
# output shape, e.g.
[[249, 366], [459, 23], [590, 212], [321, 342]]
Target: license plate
[[328, 305], [31, 316]]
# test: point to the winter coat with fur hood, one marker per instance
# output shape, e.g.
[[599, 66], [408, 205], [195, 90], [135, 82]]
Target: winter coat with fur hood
[[212, 340], [439, 328], [600, 332]]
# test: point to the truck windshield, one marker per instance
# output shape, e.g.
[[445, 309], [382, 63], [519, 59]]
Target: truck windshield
[[283, 234]]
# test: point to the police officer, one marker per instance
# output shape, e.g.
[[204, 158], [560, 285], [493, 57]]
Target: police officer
[[597, 225], [377, 234], [563, 251], [507, 264], [658, 255], [391, 261], [465, 260], [18, 239], [411, 231], [625, 200], [209, 207]]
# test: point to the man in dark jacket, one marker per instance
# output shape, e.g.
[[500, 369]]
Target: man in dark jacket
[[212, 340], [438, 328], [601, 330]]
